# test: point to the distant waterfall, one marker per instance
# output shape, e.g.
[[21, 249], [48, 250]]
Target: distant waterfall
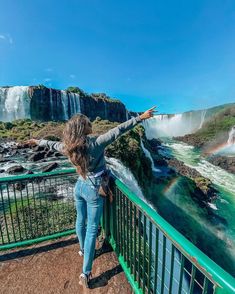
[[65, 105], [203, 115], [51, 105], [14, 103], [173, 125], [73, 104], [166, 126], [105, 109], [231, 137]]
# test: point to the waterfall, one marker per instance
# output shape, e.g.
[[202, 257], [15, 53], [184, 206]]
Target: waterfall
[[125, 175], [65, 105], [127, 114], [167, 125], [203, 115], [105, 110], [51, 105], [231, 138], [14, 103], [74, 104], [148, 155]]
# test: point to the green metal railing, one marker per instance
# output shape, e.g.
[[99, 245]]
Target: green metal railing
[[155, 257]]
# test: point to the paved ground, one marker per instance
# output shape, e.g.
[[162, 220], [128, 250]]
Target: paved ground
[[54, 267]]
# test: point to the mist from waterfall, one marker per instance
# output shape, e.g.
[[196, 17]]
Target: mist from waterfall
[[14, 103]]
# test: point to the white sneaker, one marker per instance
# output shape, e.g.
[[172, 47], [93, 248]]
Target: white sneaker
[[80, 252], [85, 279]]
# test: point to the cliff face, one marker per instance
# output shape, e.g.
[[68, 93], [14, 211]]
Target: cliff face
[[46, 104], [51, 104]]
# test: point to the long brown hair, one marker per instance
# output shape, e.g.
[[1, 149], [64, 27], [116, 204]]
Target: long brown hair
[[75, 142]]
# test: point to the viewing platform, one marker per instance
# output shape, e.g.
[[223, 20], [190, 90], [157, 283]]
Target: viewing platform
[[143, 252], [54, 267]]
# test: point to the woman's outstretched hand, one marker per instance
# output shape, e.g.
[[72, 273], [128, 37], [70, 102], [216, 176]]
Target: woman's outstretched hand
[[148, 113], [31, 142]]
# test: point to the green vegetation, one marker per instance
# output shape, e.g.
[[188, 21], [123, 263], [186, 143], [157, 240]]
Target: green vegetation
[[23, 129], [76, 90], [221, 122], [128, 149]]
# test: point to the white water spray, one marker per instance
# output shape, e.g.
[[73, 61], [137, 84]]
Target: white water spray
[[231, 137], [14, 103], [149, 156], [203, 115]]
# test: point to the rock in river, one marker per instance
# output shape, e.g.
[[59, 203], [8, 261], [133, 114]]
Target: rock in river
[[15, 169], [49, 167]]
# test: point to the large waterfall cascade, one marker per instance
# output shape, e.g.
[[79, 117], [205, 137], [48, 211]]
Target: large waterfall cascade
[[14, 103], [172, 125]]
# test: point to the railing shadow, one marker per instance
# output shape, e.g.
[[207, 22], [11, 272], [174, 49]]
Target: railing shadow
[[36, 250]]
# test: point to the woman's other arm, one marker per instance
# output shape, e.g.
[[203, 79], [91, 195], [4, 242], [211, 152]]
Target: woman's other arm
[[113, 134], [53, 145]]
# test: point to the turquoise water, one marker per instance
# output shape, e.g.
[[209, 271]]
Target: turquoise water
[[211, 228]]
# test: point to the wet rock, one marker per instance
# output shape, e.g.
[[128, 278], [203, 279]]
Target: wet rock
[[14, 152], [58, 154], [2, 160], [38, 148], [49, 167], [15, 169], [29, 172], [37, 156], [2, 171], [227, 163], [49, 153], [20, 186]]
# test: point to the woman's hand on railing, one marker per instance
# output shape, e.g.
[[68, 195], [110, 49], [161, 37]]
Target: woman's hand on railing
[[148, 113]]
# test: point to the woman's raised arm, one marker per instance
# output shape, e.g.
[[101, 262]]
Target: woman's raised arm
[[113, 134]]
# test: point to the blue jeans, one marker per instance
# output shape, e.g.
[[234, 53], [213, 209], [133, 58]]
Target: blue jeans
[[89, 206]]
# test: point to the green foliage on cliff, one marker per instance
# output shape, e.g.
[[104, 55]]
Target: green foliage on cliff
[[215, 130], [76, 90], [128, 149], [221, 122]]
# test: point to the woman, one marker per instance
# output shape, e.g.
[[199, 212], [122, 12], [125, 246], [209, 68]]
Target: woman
[[86, 153]]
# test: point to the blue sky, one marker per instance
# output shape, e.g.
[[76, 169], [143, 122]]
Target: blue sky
[[179, 55]]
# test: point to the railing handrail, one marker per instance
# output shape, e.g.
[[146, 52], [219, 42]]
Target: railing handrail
[[37, 175], [212, 270]]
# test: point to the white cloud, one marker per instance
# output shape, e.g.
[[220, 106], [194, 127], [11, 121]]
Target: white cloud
[[49, 69], [46, 80], [72, 76], [7, 38]]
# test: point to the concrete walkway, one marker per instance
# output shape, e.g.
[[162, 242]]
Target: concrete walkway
[[54, 267]]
